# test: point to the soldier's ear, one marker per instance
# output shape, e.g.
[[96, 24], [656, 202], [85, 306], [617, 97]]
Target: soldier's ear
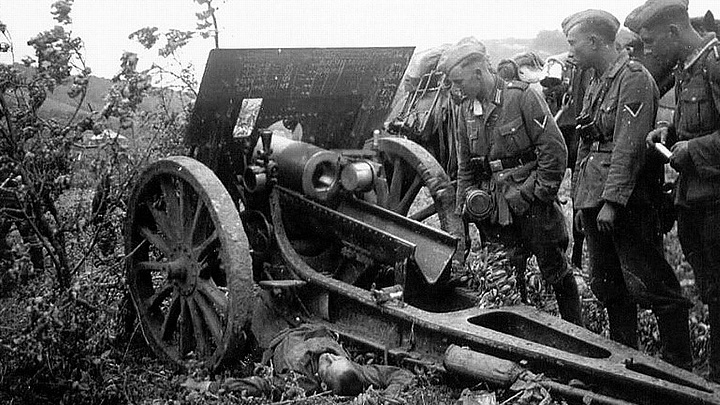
[[674, 30], [594, 40], [477, 71]]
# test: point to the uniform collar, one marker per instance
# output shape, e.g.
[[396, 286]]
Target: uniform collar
[[709, 41], [497, 95], [615, 67], [495, 99]]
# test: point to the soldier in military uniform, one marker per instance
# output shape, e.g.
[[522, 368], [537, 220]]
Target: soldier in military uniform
[[511, 161], [564, 97], [614, 187], [694, 139]]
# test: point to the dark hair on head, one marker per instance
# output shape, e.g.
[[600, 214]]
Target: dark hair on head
[[600, 26], [507, 69], [349, 383], [529, 59]]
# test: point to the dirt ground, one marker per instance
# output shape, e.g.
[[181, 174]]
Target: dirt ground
[[72, 348]]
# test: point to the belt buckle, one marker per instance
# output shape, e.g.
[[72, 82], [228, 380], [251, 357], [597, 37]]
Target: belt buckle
[[496, 165]]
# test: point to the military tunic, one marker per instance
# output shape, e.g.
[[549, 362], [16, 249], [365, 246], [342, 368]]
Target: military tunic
[[516, 121], [516, 126], [622, 103], [627, 266], [697, 121], [295, 353]]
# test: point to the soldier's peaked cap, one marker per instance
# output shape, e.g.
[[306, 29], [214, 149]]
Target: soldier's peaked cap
[[650, 10], [457, 53], [589, 15]]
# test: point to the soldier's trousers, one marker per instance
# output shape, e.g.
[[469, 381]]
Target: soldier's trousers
[[627, 268], [699, 234], [541, 231]]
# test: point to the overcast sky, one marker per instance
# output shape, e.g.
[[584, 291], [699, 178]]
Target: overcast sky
[[104, 25]]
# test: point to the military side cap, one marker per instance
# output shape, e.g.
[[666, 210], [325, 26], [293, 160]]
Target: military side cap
[[457, 53], [589, 15], [646, 13]]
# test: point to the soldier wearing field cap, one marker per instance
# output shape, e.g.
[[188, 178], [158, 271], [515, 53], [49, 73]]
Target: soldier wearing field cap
[[614, 185], [511, 161], [694, 140]]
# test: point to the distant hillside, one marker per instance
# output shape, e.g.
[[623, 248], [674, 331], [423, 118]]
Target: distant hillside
[[60, 106], [547, 43]]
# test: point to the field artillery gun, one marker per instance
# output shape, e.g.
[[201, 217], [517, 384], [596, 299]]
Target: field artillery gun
[[328, 230]]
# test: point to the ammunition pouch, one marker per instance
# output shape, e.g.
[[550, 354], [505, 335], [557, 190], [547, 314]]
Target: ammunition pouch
[[480, 167], [516, 200], [484, 168], [602, 147]]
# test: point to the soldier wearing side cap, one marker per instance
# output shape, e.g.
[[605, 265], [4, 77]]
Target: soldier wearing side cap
[[613, 189], [511, 161], [694, 139]]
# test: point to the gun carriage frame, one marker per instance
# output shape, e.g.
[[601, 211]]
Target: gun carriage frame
[[254, 227]]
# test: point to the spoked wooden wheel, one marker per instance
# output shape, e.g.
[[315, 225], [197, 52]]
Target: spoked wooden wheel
[[188, 267], [418, 187]]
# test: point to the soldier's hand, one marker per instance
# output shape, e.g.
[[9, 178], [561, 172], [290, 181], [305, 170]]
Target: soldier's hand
[[606, 217], [680, 159], [656, 135]]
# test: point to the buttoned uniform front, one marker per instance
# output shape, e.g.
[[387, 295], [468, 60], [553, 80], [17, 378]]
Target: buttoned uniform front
[[515, 123], [697, 121], [622, 103], [694, 138], [515, 128], [627, 265]]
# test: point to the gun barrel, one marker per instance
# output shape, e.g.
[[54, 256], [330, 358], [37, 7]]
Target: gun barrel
[[305, 168]]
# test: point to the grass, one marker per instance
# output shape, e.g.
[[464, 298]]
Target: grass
[[111, 368]]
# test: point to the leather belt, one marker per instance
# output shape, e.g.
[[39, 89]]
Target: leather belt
[[602, 147], [511, 162]]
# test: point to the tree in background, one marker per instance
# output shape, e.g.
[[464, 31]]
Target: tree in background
[[68, 334], [35, 151]]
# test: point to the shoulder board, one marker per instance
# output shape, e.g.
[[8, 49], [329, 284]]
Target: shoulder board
[[711, 55], [517, 84], [634, 65], [714, 52], [711, 59], [711, 62]]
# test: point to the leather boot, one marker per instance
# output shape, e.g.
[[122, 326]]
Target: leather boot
[[518, 260], [568, 299], [714, 358], [622, 317], [675, 337]]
